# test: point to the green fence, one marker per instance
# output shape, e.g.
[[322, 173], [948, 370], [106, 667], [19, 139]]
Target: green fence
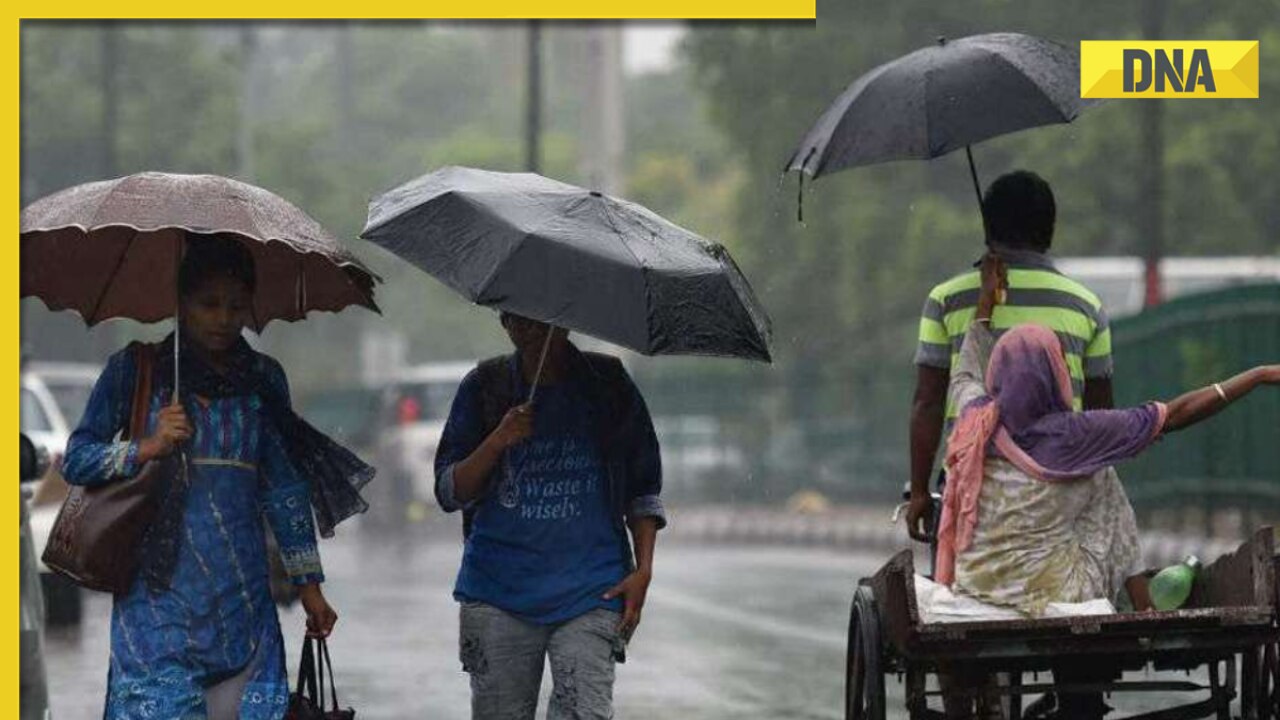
[[764, 433], [1233, 461]]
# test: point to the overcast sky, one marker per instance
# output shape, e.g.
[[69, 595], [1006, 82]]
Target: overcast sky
[[650, 47]]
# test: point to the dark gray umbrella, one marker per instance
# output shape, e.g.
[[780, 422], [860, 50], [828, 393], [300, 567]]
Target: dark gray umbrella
[[942, 98], [573, 258]]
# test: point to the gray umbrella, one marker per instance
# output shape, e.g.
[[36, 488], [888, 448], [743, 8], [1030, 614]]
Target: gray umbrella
[[573, 258], [942, 98]]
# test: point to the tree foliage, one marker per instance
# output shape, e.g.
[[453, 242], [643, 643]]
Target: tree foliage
[[334, 113], [845, 286]]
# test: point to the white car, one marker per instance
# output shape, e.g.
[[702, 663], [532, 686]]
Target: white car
[[70, 383], [696, 454], [53, 397], [34, 690], [418, 400], [40, 418]]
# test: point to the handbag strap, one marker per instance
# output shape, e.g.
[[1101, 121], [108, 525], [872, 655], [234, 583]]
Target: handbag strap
[[307, 673], [144, 358], [325, 661]]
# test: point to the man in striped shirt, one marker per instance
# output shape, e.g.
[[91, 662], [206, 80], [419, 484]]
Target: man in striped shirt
[[1019, 213]]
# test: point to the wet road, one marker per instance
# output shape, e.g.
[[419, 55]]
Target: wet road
[[744, 633], [727, 632]]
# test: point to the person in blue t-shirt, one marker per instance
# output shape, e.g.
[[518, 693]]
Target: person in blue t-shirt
[[549, 490]]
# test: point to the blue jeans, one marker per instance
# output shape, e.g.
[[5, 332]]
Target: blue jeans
[[505, 657]]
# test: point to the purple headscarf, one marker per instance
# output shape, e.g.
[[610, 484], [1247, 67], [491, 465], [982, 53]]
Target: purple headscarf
[[1039, 431]]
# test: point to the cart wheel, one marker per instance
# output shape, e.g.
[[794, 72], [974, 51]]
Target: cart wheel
[[1260, 684], [1249, 684], [63, 601], [864, 678], [1269, 683]]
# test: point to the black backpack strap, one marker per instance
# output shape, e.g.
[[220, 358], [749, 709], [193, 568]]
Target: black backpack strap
[[497, 396], [607, 367], [496, 391], [610, 378]]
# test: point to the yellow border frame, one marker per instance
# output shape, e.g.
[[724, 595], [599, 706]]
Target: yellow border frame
[[475, 10], [12, 340]]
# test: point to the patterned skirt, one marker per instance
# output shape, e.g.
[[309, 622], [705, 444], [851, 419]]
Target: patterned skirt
[[1041, 542]]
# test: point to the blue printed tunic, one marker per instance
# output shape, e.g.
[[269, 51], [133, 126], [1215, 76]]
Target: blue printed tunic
[[217, 618]]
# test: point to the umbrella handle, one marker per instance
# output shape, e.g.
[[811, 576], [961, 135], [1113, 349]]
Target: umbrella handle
[[542, 361], [800, 186], [177, 337], [177, 310], [973, 173], [800, 199]]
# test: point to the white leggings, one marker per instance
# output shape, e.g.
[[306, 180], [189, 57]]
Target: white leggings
[[222, 701]]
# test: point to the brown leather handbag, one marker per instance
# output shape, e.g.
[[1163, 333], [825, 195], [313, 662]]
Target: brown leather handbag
[[97, 538]]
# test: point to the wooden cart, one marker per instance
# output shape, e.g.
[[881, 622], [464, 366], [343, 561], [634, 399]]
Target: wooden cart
[[1229, 627]]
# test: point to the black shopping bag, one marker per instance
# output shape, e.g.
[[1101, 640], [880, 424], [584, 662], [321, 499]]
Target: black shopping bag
[[307, 701]]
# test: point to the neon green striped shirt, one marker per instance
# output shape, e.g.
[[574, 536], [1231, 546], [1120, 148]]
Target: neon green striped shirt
[[1039, 294]]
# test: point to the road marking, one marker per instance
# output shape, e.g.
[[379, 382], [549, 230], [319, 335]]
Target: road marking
[[758, 622]]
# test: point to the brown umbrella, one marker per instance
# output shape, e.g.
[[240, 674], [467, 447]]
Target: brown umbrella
[[111, 249]]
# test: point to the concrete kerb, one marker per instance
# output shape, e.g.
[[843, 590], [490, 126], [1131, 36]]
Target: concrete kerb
[[870, 529]]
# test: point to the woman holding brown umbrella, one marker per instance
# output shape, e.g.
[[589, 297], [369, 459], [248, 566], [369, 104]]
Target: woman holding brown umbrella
[[194, 631], [198, 626]]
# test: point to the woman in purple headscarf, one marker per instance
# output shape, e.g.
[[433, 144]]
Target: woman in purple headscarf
[[1034, 512]]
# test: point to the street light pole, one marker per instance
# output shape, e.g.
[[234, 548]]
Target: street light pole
[[248, 98], [533, 99], [603, 118], [103, 340], [1152, 202], [110, 97]]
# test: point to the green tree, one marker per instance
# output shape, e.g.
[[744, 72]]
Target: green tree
[[846, 285]]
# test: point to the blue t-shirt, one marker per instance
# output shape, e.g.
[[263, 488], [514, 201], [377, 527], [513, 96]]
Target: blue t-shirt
[[543, 545]]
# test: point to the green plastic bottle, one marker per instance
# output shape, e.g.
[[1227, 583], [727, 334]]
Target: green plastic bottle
[[1172, 585]]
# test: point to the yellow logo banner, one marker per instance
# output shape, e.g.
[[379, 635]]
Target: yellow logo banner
[[1169, 69]]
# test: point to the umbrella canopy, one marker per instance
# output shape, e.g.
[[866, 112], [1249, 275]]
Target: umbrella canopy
[[111, 248], [573, 258], [942, 98]]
